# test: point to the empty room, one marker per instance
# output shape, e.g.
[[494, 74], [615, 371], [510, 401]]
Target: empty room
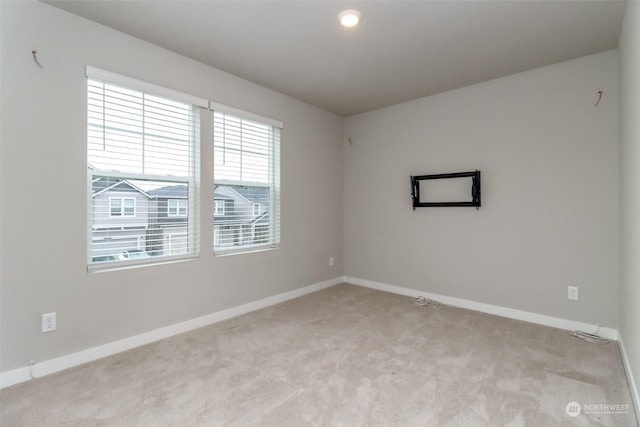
[[323, 213]]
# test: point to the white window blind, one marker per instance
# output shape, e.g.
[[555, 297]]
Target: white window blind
[[246, 183], [143, 160]]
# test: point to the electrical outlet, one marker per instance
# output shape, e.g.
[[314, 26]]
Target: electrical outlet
[[330, 261], [48, 322], [573, 293]]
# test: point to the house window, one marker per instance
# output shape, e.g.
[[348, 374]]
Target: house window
[[247, 174], [218, 207], [119, 206], [142, 153], [216, 235], [177, 207]]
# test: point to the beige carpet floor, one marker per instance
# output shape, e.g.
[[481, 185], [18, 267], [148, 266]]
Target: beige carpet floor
[[344, 356]]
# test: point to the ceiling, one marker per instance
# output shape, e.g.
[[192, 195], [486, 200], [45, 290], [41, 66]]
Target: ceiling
[[401, 50]]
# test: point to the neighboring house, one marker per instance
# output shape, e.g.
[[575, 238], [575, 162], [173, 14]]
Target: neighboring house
[[127, 217], [168, 221], [241, 215], [120, 217]]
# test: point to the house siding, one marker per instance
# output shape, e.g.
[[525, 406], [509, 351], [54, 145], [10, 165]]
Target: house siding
[[113, 234]]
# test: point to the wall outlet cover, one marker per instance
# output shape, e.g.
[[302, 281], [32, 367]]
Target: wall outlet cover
[[48, 322], [573, 293]]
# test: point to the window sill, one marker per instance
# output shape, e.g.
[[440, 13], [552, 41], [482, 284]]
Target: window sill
[[127, 265], [245, 250]]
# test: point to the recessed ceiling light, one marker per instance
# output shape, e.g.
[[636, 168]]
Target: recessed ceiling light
[[350, 17]]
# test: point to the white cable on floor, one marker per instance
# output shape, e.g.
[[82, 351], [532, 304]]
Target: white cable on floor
[[592, 338], [426, 302]]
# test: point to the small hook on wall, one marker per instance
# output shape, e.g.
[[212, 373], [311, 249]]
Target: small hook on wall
[[599, 98], [35, 58]]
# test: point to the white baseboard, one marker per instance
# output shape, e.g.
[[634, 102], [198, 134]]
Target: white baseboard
[[511, 313], [632, 382], [9, 378], [47, 367]]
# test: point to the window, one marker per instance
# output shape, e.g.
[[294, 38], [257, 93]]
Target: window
[[247, 174], [177, 207], [218, 207], [122, 206], [143, 154]]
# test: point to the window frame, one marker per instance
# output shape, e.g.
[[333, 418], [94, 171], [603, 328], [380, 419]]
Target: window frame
[[191, 179], [198, 105], [273, 239]]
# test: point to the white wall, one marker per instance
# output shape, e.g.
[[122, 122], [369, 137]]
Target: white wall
[[43, 193], [630, 186], [549, 215]]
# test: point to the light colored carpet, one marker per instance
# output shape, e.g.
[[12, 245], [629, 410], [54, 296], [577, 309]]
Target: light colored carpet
[[344, 356]]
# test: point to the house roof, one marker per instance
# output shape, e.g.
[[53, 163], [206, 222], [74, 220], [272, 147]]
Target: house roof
[[171, 192], [253, 194], [103, 184]]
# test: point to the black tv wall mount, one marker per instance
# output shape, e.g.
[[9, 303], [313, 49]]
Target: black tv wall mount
[[418, 201]]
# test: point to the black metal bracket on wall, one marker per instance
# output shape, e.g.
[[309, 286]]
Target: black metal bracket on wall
[[475, 189]]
